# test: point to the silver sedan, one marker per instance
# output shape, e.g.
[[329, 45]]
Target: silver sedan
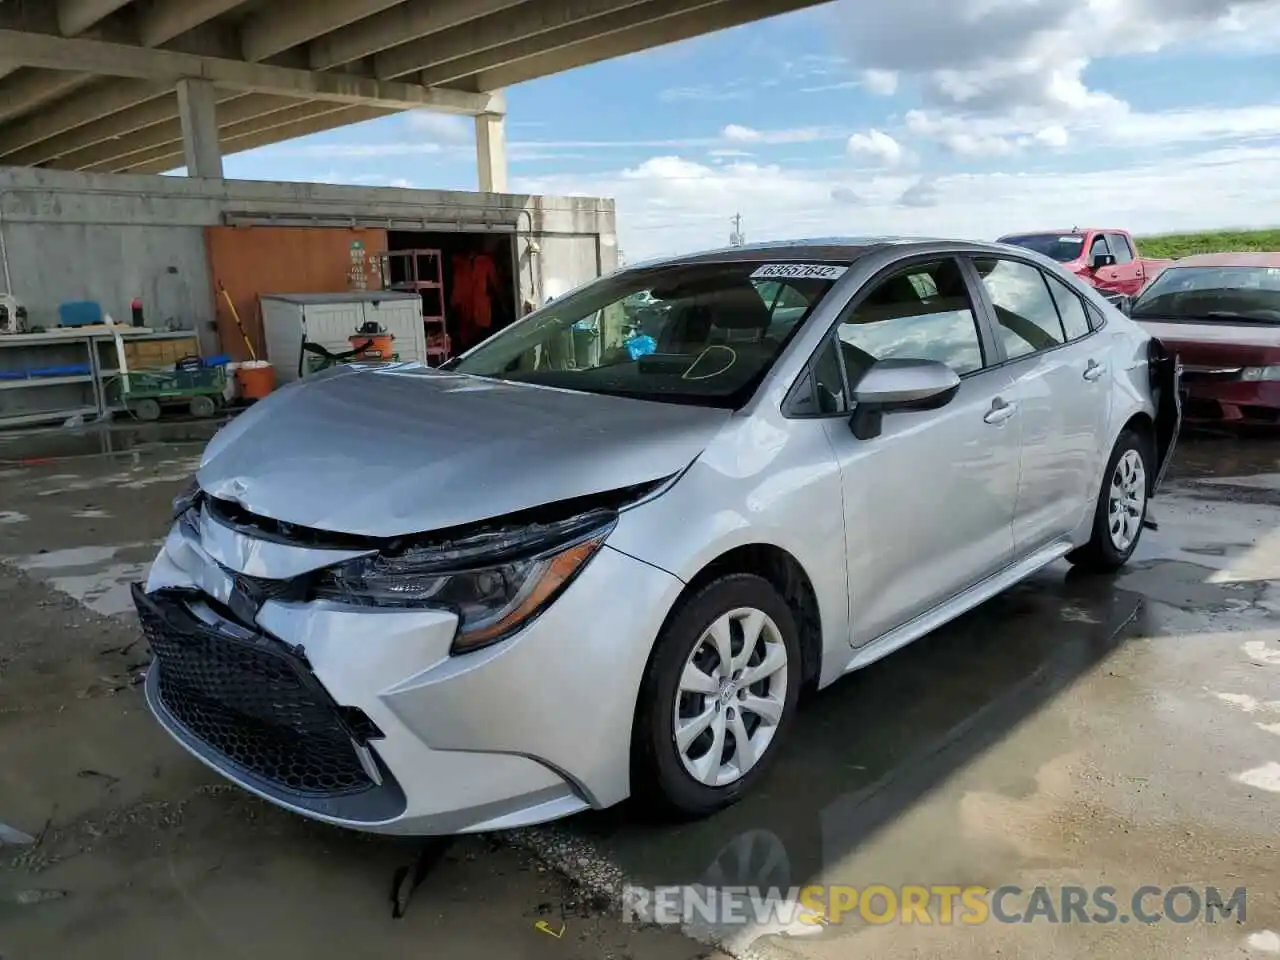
[[589, 561]]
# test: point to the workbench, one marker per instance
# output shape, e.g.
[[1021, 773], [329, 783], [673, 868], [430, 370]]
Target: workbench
[[89, 354]]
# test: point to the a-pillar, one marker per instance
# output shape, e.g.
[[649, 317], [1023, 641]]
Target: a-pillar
[[198, 111], [491, 152]]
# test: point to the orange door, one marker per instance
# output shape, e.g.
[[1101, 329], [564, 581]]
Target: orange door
[[252, 260]]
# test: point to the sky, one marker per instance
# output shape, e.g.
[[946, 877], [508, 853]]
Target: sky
[[957, 118]]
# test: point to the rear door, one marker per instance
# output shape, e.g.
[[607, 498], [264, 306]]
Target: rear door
[[1060, 382]]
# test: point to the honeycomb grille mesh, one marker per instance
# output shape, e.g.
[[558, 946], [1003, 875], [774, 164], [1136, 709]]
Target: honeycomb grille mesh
[[250, 701]]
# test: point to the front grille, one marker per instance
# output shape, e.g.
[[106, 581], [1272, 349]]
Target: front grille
[[250, 700]]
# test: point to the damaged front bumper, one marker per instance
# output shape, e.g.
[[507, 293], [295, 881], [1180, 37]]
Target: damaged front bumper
[[362, 717]]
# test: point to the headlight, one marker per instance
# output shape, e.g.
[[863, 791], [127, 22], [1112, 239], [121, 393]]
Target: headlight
[[494, 582], [1260, 373]]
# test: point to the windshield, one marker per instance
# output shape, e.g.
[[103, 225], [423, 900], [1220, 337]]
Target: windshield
[[1063, 248], [1212, 293], [702, 333]]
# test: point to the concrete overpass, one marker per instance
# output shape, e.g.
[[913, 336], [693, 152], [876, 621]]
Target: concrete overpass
[[145, 86]]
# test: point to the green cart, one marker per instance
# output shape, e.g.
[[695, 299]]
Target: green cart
[[145, 393]]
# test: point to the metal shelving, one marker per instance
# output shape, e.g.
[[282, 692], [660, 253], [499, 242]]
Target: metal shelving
[[33, 400]]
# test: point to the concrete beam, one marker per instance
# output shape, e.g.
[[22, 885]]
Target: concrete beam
[[77, 16], [112, 129], [107, 99], [528, 20], [172, 151], [342, 117], [287, 23], [198, 112], [405, 21], [168, 132], [728, 13], [166, 19], [169, 66], [579, 32], [31, 88], [491, 153], [158, 23]]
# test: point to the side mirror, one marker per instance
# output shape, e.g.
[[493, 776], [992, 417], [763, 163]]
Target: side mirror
[[892, 386], [1122, 302], [1100, 260]]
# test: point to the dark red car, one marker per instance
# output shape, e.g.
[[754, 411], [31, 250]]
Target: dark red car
[[1220, 313]]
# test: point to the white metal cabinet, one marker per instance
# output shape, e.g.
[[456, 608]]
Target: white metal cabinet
[[329, 319]]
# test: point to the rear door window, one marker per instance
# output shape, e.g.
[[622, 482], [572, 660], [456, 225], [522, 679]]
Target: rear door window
[[1027, 319]]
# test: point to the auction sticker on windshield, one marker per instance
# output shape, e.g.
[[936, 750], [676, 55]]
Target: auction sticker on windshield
[[799, 271]]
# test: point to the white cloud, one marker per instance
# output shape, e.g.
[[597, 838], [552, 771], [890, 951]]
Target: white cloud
[[670, 204], [1054, 135], [922, 193], [732, 91], [1000, 76], [877, 145], [441, 127], [881, 82], [736, 133]]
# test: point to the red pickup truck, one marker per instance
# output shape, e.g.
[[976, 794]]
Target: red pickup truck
[[1105, 258]]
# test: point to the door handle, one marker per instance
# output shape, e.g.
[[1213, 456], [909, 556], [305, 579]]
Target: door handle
[[1094, 370], [1000, 411]]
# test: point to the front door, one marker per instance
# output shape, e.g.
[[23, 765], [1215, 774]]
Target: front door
[[1061, 386], [1129, 276], [929, 503]]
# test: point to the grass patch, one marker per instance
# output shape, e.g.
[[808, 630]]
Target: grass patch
[[1175, 245]]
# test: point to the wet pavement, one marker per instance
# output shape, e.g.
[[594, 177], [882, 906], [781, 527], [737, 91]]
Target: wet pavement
[[1073, 731]]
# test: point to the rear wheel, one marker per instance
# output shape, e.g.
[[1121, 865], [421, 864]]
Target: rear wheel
[[718, 696], [203, 406], [1122, 507]]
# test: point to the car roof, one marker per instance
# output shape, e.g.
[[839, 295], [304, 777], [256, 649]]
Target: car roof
[[1069, 231], [822, 249], [1251, 259]]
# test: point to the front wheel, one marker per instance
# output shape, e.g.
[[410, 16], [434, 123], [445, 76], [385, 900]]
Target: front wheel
[[1122, 507], [719, 693]]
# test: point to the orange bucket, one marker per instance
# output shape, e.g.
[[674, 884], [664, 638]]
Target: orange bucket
[[257, 379], [373, 346]]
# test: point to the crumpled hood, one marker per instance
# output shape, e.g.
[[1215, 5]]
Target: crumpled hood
[[387, 451]]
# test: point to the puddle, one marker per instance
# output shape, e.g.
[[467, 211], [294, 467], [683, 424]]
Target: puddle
[[96, 576]]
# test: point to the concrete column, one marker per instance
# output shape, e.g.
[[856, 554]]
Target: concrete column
[[491, 152], [198, 111]]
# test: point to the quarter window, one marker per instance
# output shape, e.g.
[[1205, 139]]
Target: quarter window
[[1070, 308], [920, 313], [1026, 318]]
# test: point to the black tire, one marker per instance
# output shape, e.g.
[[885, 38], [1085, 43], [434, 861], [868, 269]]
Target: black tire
[[659, 779], [146, 409], [203, 406], [1100, 554]]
